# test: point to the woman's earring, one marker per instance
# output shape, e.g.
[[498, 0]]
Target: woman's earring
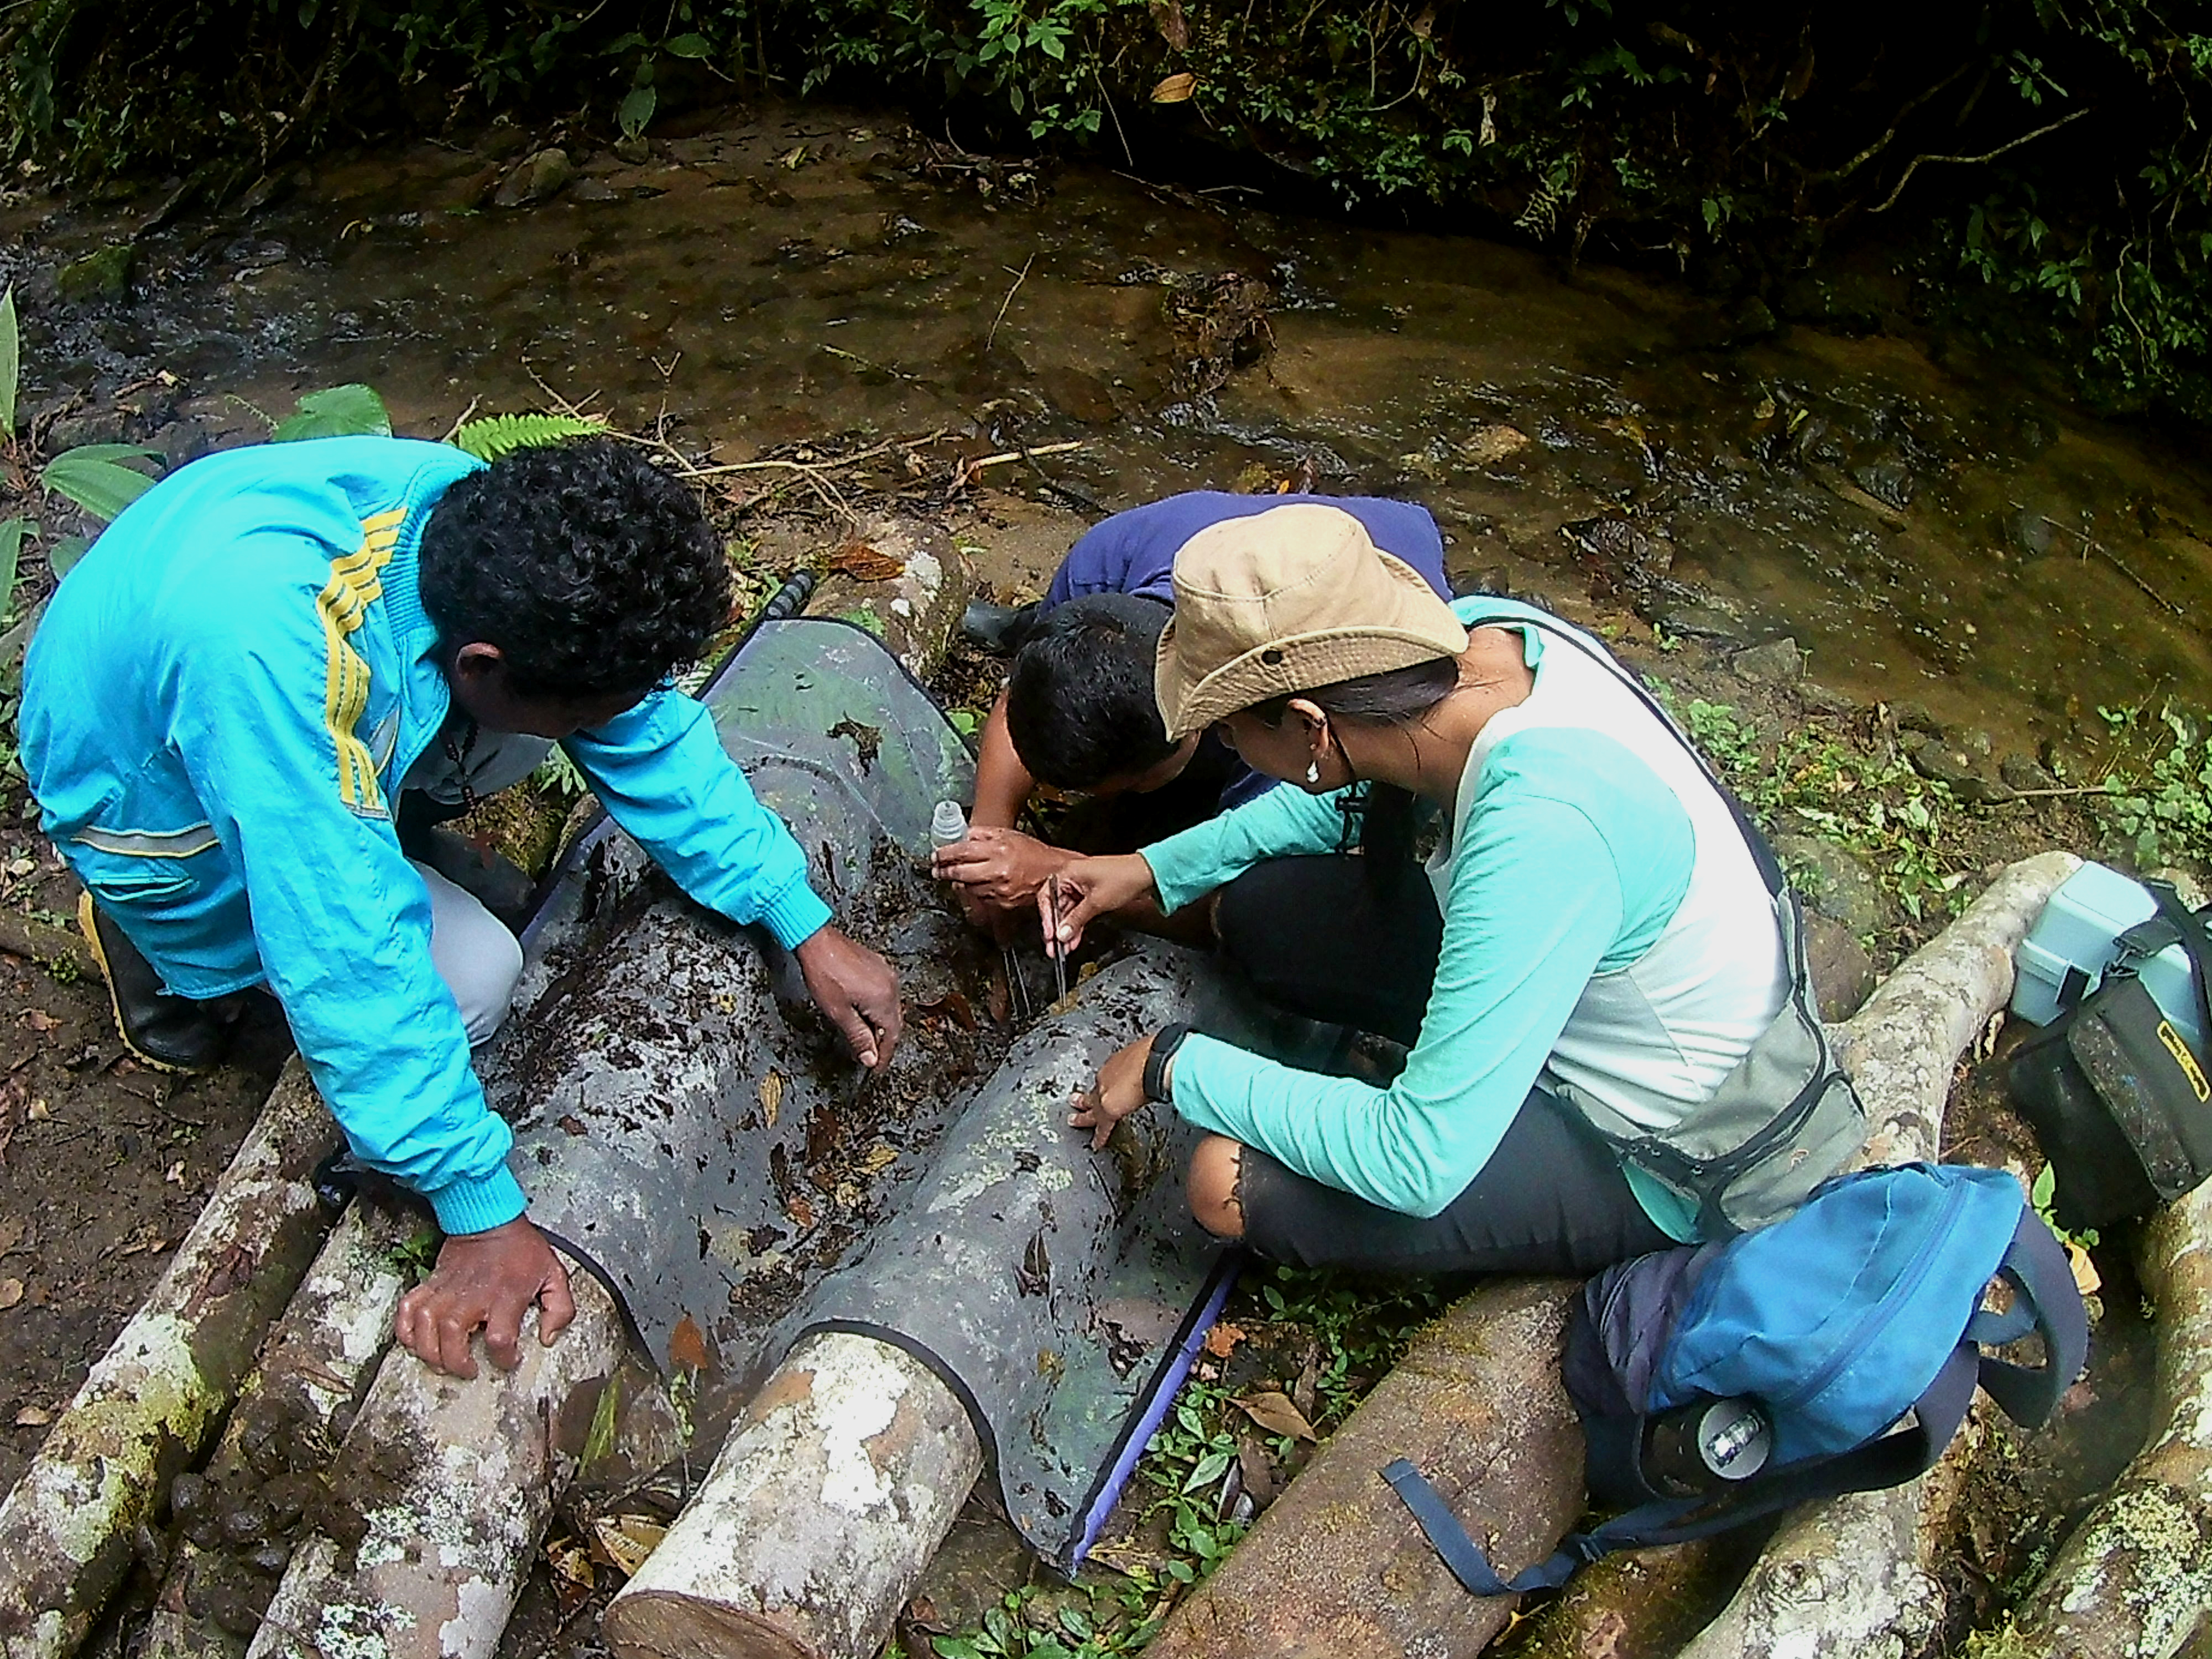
[[1313, 771]]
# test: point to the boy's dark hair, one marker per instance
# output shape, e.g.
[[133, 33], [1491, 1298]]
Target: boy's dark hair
[[592, 570], [1080, 703]]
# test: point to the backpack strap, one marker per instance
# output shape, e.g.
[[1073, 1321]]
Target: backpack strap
[[2045, 1300], [1762, 853], [1889, 1460]]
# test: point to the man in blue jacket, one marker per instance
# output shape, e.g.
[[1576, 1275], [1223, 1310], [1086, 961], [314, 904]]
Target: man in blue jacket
[[230, 694]]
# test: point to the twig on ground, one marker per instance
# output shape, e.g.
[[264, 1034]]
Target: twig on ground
[[2091, 544], [1020, 276]]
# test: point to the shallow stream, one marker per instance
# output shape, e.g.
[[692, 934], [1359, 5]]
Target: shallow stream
[[1930, 531]]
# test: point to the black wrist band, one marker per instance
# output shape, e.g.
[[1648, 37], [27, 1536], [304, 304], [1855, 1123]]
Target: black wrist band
[[1156, 1063]]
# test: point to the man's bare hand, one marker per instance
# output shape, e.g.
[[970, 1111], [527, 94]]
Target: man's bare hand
[[996, 874], [486, 1280], [857, 991]]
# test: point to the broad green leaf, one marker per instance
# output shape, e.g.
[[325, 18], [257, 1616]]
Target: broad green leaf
[[687, 45], [339, 411], [636, 110], [11, 543], [88, 475], [11, 364], [2039, 1195], [62, 557], [1211, 1467]]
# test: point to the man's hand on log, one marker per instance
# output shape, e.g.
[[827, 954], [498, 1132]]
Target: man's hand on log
[[486, 1280], [1118, 1091], [857, 991]]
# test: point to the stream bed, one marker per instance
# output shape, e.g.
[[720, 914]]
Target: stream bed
[[1930, 531]]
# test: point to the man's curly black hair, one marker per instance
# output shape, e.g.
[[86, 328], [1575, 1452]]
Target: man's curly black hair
[[591, 570], [1079, 705]]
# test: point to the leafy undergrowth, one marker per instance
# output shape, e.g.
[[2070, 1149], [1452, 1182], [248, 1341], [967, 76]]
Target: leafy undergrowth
[[1296, 1351]]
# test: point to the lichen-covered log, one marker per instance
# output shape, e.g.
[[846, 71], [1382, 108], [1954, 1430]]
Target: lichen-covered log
[[2135, 1579], [1337, 1566], [269, 1473], [1851, 1577], [441, 1494], [67, 1529], [825, 1506]]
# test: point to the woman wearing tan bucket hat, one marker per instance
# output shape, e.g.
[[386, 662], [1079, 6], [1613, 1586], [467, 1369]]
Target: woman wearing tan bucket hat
[[1598, 945]]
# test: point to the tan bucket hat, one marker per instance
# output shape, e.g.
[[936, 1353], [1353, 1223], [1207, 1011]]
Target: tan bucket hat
[[1288, 600]]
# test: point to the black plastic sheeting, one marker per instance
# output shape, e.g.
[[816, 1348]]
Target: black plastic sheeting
[[685, 1119]]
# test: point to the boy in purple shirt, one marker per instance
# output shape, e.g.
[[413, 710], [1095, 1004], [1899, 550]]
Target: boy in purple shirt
[[1078, 714]]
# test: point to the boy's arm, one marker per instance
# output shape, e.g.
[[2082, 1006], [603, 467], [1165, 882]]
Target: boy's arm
[[1002, 782]]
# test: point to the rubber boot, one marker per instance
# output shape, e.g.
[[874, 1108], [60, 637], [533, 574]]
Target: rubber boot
[[169, 1033], [999, 629]]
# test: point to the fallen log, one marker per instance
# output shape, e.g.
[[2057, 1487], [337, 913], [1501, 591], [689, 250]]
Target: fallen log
[[1851, 1577], [69, 1529], [1337, 1566], [269, 1470], [441, 1495], [815, 1524], [2135, 1578]]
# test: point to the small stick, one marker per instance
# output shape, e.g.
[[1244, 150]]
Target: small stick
[[1020, 276], [1005, 456], [2091, 544]]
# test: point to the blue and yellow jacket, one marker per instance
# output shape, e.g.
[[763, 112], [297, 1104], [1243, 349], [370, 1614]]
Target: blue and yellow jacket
[[217, 710]]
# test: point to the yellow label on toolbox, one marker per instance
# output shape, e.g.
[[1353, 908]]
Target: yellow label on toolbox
[[2183, 1059]]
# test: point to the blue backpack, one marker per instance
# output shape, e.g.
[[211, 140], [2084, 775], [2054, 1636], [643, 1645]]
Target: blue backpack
[[1834, 1350]]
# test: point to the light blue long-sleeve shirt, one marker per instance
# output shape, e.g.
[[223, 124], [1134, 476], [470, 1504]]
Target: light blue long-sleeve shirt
[[1570, 860]]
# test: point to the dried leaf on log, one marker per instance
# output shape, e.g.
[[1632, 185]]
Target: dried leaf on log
[[1175, 88]]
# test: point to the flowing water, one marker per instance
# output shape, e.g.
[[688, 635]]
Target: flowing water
[[1941, 534]]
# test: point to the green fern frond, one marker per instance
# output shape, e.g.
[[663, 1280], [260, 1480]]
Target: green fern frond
[[497, 434]]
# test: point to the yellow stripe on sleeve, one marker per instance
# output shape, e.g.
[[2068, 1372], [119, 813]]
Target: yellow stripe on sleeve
[[356, 580]]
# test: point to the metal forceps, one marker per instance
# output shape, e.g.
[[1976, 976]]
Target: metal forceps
[[1059, 951]]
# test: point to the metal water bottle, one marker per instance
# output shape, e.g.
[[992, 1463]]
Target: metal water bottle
[[1702, 1448]]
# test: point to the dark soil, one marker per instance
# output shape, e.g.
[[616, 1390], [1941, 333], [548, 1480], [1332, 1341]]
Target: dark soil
[[103, 1165]]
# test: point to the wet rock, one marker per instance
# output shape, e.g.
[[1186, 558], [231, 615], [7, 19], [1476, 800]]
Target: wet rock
[[2026, 532], [1487, 445], [2024, 772], [635, 148], [539, 177], [473, 188], [187, 1495], [246, 1522], [1843, 972], [1889, 482], [1845, 304], [1834, 883], [268, 1560], [502, 141], [1909, 716], [594, 190], [1752, 320], [1698, 618], [1779, 662], [1619, 557], [102, 275], [95, 425], [1966, 774]]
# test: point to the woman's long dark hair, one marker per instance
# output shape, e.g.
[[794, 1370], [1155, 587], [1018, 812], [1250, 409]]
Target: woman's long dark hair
[[1387, 814]]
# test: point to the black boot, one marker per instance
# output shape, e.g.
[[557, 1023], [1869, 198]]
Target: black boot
[[169, 1033], [999, 629]]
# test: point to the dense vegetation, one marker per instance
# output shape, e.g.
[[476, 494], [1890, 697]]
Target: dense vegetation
[[2047, 163]]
